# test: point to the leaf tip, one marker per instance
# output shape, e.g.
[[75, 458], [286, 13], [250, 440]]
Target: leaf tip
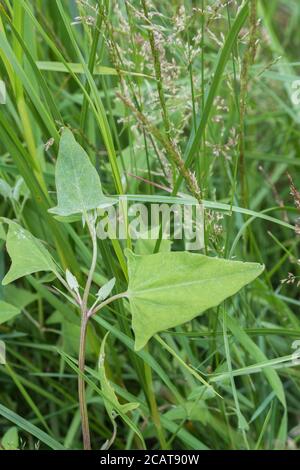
[[4, 281], [139, 344], [140, 338]]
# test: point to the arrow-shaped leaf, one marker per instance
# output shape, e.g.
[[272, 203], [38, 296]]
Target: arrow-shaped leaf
[[168, 289], [77, 181], [28, 254]]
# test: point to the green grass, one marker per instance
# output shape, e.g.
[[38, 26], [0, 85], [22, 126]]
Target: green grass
[[166, 114]]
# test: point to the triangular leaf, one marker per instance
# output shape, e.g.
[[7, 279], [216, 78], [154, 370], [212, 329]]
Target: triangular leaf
[[27, 253], [77, 181], [168, 289], [7, 311]]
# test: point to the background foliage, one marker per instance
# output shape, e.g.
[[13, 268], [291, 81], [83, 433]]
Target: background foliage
[[145, 86]]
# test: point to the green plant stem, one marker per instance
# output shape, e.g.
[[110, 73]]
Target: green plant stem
[[170, 149], [158, 74], [93, 310], [92, 268], [247, 62], [197, 137], [153, 408], [91, 64], [81, 385], [82, 346], [85, 315], [159, 82]]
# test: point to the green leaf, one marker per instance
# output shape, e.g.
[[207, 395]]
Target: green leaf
[[77, 181], [10, 440], [2, 233], [105, 290], [72, 281], [18, 297], [75, 67], [112, 404], [71, 335], [168, 289], [71, 362], [30, 428], [27, 253], [7, 311], [258, 355], [5, 189], [224, 54], [190, 410], [146, 246]]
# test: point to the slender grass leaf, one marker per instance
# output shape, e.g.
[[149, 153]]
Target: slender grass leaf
[[144, 355], [255, 352], [97, 103], [195, 137], [26, 83], [215, 205], [70, 361], [51, 66], [112, 405], [30, 428], [7, 311], [18, 297], [75, 67]]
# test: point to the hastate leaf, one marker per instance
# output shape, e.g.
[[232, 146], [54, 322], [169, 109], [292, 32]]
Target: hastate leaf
[[28, 254], [78, 184], [168, 289]]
